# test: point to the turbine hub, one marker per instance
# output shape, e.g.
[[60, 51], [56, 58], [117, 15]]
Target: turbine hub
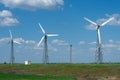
[[98, 27]]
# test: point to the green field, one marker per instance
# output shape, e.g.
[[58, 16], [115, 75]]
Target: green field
[[8, 76], [59, 71]]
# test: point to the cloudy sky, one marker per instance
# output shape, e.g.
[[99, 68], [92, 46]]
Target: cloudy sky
[[63, 17]]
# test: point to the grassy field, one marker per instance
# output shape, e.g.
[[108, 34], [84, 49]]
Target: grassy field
[[60, 71], [8, 76]]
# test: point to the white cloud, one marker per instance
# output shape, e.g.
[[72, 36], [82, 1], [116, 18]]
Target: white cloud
[[37, 48], [92, 43], [111, 41], [92, 49], [5, 13], [52, 48], [20, 40], [33, 4], [112, 45], [7, 19], [90, 27], [30, 42], [81, 42], [59, 42], [4, 40], [114, 22]]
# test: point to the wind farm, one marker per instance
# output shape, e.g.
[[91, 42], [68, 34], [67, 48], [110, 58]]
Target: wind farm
[[71, 28], [85, 46]]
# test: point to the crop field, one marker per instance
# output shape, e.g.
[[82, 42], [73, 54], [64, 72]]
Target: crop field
[[9, 76], [60, 72]]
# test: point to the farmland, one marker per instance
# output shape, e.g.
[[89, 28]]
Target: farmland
[[60, 71]]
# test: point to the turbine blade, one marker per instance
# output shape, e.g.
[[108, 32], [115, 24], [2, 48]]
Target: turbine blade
[[52, 35], [10, 34], [90, 21], [40, 41], [16, 42], [42, 28], [107, 21]]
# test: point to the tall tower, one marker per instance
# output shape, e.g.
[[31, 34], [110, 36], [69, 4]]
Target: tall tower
[[45, 57], [12, 59], [71, 53], [99, 47]]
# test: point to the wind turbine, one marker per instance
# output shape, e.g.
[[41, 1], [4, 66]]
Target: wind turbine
[[45, 54], [99, 46], [12, 41]]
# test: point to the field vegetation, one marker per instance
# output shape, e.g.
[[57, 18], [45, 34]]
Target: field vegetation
[[60, 71]]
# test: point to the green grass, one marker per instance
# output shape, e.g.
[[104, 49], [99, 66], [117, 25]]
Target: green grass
[[8, 76], [61, 71]]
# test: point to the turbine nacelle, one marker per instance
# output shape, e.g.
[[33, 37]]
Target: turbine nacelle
[[98, 27]]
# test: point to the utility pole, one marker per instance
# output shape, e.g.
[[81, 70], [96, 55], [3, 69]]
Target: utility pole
[[71, 53]]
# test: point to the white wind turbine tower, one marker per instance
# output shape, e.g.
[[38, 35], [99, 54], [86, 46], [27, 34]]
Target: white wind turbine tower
[[12, 41], [45, 54], [99, 46]]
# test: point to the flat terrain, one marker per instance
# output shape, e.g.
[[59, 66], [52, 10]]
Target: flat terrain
[[60, 72], [8, 76]]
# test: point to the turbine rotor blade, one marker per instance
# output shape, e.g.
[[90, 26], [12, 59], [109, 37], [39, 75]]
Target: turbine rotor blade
[[52, 35], [107, 21], [10, 34], [16, 42], [42, 28], [40, 41], [90, 21]]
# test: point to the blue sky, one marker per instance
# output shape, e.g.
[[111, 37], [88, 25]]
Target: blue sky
[[63, 17]]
